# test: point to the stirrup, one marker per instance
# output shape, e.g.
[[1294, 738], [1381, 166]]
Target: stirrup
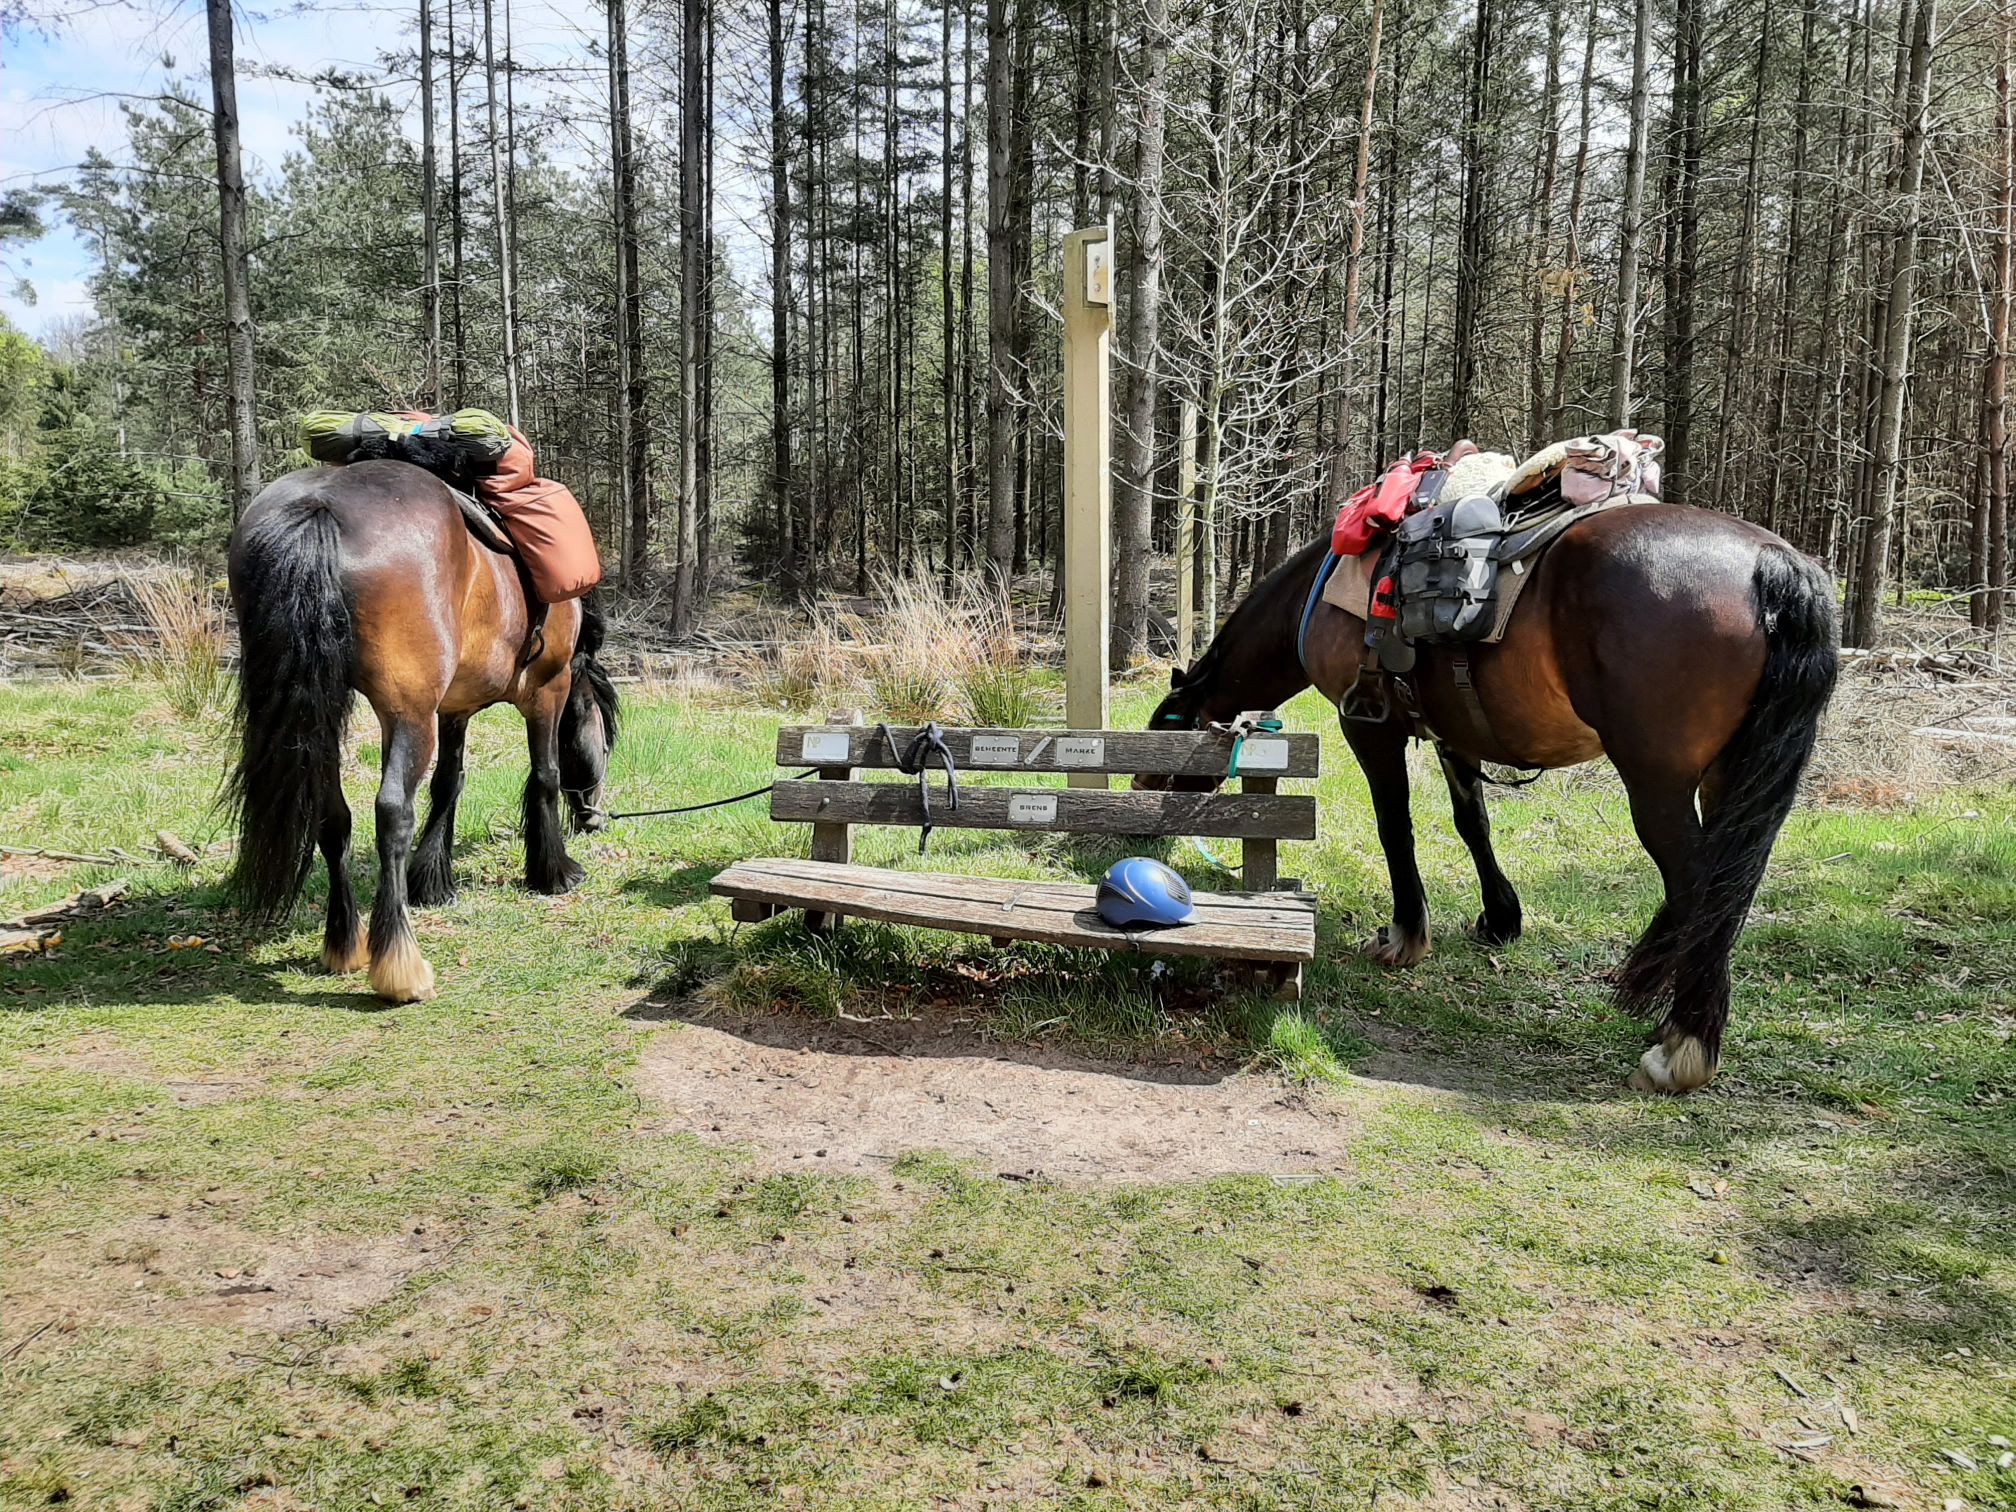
[[1369, 699]]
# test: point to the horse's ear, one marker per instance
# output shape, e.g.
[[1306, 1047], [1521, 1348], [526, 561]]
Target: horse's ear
[[1176, 677]]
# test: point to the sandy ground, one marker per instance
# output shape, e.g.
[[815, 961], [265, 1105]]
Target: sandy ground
[[851, 1096]]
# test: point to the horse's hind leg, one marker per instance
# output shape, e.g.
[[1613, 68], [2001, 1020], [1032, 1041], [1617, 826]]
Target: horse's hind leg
[[548, 867], [344, 948], [430, 880], [1381, 750], [399, 973], [1663, 812], [1501, 921]]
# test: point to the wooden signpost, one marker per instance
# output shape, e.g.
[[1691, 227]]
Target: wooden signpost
[[1088, 481]]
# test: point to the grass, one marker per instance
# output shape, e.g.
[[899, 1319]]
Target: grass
[[526, 1285]]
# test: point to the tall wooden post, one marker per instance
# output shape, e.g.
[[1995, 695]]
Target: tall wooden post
[[1088, 479], [1186, 534]]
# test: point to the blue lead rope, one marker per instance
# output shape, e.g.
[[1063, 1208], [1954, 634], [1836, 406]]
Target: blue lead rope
[[1309, 606]]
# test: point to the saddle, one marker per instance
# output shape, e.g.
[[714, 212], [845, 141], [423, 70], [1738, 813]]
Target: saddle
[[1451, 569]]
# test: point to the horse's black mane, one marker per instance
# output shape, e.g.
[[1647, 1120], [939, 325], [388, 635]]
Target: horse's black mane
[[588, 671]]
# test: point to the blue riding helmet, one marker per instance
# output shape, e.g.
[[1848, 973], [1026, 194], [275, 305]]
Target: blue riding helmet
[[1142, 894]]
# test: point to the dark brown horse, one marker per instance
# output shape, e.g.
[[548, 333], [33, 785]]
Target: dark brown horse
[[1693, 649], [365, 578]]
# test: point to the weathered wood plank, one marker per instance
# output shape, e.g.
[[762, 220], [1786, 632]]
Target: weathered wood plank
[[1234, 910], [946, 901], [1172, 753], [1259, 859], [833, 842], [1069, 810]]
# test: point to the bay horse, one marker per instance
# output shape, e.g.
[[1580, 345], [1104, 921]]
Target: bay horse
[[1694, 649], [365, 579]]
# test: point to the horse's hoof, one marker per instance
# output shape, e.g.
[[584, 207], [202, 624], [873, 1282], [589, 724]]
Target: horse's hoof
[[1675, 1065], [402, 974], [341, 960], [570, 876], [1391, 949], [1502, 932]]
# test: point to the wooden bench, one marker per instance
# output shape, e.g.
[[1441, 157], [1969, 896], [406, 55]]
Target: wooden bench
[[1271, 928]]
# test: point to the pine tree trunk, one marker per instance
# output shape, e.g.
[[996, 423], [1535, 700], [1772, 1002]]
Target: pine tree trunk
[[1572, 270], [1865, 604], [969, 457], [1774, 459], [1736, 358], [1471, 249], [792, 547], [1133, 515], [430, 229], [506, 295], [1001, 411], [460, 365], [244, 414], [703, 502], [1993, 551], [1541, 239], [1682, 251], [692, 233], [1632, 233], [633, 441], [1337, 484], [948, 387]]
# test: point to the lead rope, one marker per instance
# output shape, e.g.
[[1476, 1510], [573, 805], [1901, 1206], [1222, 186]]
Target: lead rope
[[711, 803], [911, 762]]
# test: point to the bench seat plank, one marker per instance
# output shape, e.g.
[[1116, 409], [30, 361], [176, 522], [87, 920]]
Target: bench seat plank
[[1275, 926], [1165, 753], [1078, 811]]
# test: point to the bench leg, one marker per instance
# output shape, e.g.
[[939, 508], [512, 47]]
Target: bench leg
[[751, 910], [1280, 980]]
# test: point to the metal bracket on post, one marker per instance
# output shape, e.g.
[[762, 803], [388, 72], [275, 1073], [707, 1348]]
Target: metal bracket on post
[[1088, 480], [831, 841]]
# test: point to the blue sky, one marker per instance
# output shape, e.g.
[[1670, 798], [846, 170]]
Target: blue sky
[[59, 95]]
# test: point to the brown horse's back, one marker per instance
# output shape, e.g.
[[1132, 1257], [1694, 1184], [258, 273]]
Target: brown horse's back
[[1635, 607]]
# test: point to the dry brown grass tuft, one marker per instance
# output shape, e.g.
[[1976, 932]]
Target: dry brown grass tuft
[[186, 638]]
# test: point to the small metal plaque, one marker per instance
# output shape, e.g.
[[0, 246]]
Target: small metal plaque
[[825, 748], [1099, 272], [996, 748], [1081, 751], [1264, 756], [1032, 808]]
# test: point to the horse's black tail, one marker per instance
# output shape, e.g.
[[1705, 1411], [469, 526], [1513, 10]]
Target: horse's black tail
[[296, 648], [1756, 780]]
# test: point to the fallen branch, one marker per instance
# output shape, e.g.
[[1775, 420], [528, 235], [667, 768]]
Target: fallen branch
[[44, 853], [172, 844], [92, 900], [1940, 736]]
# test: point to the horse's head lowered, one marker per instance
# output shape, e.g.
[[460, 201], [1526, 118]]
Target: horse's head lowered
[[1185, 707], [588, 726]]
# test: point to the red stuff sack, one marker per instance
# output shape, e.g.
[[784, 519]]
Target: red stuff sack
[[546, 525], [552, 535]]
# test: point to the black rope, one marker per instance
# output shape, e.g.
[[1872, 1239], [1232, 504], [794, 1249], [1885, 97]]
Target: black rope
[[711, 803], [927, 741]]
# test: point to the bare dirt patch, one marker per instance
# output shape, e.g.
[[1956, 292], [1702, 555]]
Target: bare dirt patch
[[834, 1096], [181, 1270]]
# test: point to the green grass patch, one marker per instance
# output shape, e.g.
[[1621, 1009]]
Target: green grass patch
[[264, 1239]]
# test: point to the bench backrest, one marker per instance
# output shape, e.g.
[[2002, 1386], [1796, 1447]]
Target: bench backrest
[[1257, 814]]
